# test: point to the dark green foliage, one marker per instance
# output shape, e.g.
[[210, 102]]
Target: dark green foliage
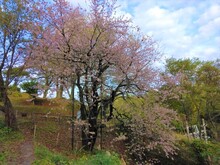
[[206, 153], [197, 152], [201, 151], [30, 87]]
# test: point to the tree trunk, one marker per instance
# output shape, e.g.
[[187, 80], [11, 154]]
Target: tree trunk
[[73, 116], [10, 118], [59, 91], [89, 134], [46, 85], [83, 115], [93, 115], [45, 93], [93, 131]]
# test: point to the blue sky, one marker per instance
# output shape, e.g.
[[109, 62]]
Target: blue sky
[[183, 28]]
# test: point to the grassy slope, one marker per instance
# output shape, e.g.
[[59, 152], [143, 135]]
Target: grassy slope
[[10, 139], [54, 106]]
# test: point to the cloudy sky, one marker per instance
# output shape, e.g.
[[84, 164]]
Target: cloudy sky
[[183, 28]]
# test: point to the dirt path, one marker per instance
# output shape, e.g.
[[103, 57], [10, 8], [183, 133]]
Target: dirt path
[[24, 151], [27, 152]]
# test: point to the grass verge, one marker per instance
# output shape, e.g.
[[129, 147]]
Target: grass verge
[[9, 140], [45, 156]]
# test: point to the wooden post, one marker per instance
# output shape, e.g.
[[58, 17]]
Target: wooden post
[[102, 110], [204, 129], [59, 119], [73, 109], [187, 129], [206, 138], [35, 128], [57, 140]]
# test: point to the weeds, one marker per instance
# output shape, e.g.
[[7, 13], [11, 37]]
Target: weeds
[[45, 156]]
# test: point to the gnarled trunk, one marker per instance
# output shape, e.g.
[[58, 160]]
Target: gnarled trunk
[[89, 134], [93, 115], [93, 131], [10, 118]]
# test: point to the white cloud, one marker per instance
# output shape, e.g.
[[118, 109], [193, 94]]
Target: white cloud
[[211, 28], [185, 29], [210, 14], [217, 40], [204, 53]]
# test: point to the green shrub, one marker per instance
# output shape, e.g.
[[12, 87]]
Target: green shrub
[[201, 151], [101, 157], [206, 152], [44, 156], [4, 132], [178, 126], [7, 134], [30, 87], [197, 152]]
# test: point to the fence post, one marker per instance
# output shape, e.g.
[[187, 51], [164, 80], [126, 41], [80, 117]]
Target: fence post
[[57, 140], [72, 121], [204, 128], [102, 110], [35, 129], [187, 129]]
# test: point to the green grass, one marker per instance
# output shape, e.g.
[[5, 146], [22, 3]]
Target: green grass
[[3, 157], [51, 127], [44, 156], [54, 106], [100, 158], [8, 140], [7, 134]]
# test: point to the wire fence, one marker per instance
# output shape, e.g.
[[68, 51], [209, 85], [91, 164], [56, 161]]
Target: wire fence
[[56, 130]]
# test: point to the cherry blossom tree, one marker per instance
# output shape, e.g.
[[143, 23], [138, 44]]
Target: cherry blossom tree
[[104, 53], [146, 128]]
